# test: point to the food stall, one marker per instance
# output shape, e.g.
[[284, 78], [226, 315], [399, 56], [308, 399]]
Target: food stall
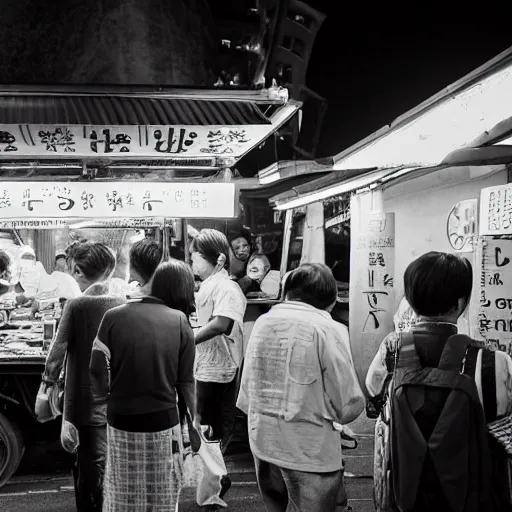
[[109, 160], [25, 336]]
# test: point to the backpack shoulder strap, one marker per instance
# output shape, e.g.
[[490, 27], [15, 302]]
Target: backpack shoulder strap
[[488, 376], [454, 352], [406, 355]]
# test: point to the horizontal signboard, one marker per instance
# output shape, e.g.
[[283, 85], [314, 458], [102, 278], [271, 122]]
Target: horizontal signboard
[[496, 210], [123, 141], [115, 200], [42, 223]]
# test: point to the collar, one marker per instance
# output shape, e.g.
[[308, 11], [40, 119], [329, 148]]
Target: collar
[[221, 274], [428, 326], [302, 306], [98, 289], [145, 299]]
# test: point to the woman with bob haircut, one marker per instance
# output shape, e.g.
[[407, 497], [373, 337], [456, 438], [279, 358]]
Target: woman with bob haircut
[[91, 265], [148, 346]]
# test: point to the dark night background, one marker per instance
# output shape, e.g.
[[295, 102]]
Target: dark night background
[[374, 64], [371, 63]]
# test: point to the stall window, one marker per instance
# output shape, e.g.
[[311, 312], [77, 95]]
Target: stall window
[[337, 250], [296, 239]]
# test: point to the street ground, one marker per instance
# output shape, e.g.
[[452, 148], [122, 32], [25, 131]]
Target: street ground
[[43, 482]]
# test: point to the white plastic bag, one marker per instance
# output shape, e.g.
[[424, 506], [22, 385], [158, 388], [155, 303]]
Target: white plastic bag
[[214, 468], [42, 407], [69, 436]]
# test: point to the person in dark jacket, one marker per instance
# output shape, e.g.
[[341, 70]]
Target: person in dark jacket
[[438, 288], [143, 354], [84, 413]]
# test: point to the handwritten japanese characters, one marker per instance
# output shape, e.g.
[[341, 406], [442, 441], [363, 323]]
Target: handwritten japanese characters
[[375, 254], [221, 141], [371, 296], [60, 138], [7, 140], [496, 210], [76, 141], [21, 200], [495, 305]]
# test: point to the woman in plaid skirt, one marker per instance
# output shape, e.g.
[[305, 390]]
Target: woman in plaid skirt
[[149, 347]]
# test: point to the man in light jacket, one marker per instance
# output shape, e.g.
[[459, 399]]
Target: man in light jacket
[[298, 380]]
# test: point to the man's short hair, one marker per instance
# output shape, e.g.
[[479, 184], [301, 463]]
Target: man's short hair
[[312, 283], [436, 281], [145, 256]]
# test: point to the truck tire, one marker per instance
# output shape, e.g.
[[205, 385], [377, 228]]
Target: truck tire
[[12, 448]]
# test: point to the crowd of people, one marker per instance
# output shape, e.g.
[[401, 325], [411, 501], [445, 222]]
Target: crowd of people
[[133, 364]]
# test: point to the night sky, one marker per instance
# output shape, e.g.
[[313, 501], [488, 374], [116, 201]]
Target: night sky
[[374, 65]]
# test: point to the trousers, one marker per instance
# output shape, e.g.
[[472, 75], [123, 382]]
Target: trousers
[[216, 406], [89, 468], [287, 490]]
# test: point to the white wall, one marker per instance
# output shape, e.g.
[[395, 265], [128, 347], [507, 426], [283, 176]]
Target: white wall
[[421, 206]]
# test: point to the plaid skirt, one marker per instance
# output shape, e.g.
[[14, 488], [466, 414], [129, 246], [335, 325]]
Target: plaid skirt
[[144, 471]]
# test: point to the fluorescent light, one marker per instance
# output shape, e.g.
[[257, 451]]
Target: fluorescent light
[[342, 188], [450, 125]]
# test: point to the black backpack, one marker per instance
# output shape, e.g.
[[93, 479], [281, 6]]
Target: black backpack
[[439, 451]]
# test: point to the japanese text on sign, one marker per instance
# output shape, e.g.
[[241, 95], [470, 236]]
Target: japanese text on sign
[[77, 141], [496, 210], [372, 294], [21, 200], [375, 250], [495, 305]]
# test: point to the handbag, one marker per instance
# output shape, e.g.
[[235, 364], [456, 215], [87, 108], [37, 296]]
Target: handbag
[[50, 397], [382, 481]]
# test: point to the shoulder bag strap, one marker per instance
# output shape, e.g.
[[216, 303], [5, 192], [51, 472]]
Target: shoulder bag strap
[[488, 376]]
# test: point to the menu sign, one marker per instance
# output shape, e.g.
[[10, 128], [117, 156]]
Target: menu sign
[[495, 304], [22, 200], [496, 210], [75, 141]]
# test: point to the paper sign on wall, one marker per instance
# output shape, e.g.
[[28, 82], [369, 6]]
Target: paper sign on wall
[[496, 210], [371, 288], [495, 305]]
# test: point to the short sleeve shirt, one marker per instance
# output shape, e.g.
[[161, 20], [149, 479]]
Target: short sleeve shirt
[[218, 359]]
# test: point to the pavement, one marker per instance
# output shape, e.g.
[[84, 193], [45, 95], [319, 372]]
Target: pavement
[[43, 482]]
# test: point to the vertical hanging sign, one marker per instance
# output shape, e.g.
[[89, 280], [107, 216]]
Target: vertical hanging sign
[[371, 287], [495, 304]]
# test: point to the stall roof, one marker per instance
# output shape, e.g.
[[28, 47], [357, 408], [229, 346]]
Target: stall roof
[[287, 169], [138, 123], [126, 110], [451, 119], [469, 123], [337, 183]]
